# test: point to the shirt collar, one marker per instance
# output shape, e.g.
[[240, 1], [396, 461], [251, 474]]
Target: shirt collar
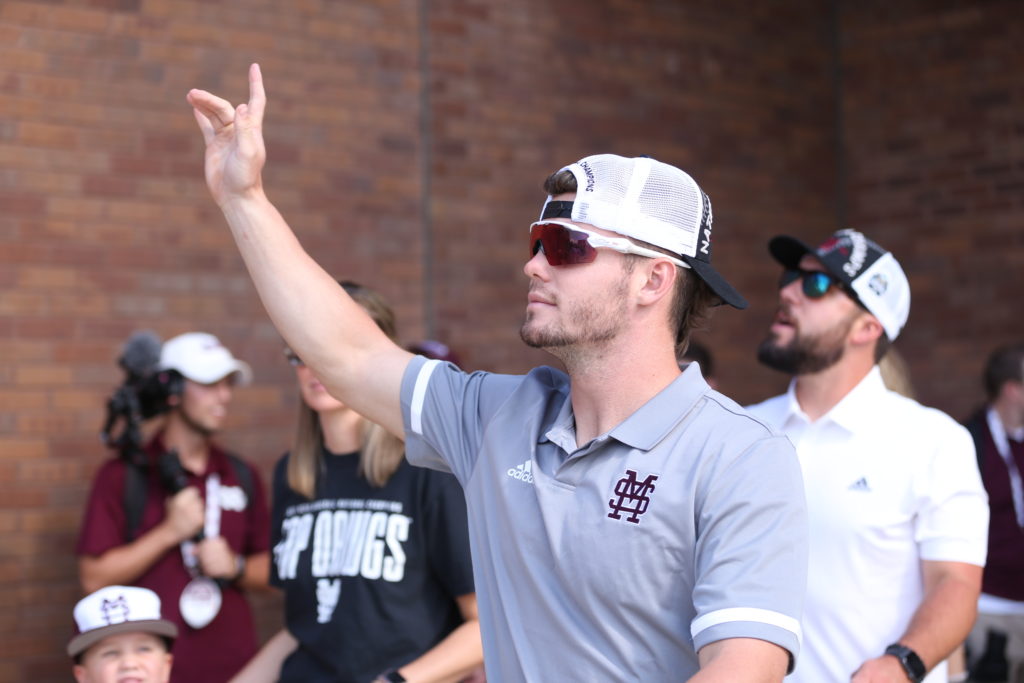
[[852, 411], [648, 425]]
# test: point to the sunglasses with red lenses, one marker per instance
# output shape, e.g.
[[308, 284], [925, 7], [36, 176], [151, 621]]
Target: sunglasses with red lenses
[[565, 244]]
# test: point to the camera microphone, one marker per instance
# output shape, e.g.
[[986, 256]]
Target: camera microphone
[[140, 355], [174, 478]]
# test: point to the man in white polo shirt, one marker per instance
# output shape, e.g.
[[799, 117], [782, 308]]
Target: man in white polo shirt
[[898, 514], [626, 521]]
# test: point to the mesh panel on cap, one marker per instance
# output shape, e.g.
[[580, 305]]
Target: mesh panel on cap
[[609, 191], [668, 197], [653, 202], [640, 198]]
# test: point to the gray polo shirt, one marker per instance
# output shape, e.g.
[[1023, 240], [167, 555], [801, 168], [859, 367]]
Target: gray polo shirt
[[620, 559]]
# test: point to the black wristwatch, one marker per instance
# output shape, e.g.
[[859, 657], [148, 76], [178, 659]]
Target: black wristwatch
[[911, 663], [239, 568], [393, 676]]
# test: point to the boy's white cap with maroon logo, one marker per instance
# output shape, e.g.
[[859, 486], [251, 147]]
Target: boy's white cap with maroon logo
[[117, 609]]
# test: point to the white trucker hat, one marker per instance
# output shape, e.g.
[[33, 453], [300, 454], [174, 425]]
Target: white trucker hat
[[650, 201]]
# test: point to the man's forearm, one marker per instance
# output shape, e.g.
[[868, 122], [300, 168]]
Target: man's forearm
[[126, 563], [304, 301], [741, 660], [946, 614], [328, 330]]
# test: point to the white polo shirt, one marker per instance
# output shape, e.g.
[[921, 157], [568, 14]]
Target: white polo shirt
[[889, 483], [619, 559]]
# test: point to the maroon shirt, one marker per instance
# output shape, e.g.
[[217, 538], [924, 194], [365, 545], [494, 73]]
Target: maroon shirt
[[1004, 569], [219, 650]]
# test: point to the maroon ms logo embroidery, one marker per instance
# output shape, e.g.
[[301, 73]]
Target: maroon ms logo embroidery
[[114, 611], [634, 497]]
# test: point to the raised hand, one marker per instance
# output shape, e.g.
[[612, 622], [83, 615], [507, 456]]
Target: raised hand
[[235, 152]]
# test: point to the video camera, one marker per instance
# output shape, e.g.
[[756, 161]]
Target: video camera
[[144, 394]]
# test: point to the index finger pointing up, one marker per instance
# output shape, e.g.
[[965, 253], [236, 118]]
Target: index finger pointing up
[[257, 96]]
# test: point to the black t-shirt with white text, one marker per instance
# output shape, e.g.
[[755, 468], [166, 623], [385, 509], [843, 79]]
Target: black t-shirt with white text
[[369, 574]]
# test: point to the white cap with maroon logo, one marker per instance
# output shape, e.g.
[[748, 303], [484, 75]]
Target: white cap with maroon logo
[[117, 609], [201, 357]]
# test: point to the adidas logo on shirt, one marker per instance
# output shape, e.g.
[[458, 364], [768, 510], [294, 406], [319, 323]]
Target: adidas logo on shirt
[[523, 473], [860, 485]]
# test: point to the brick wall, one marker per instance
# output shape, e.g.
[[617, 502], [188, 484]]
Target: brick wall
[[934, 152], [419, 177]]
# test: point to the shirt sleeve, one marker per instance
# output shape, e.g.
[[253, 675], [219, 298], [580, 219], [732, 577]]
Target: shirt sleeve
[[103, 525], [952, 520], [445, 412], [449, 536], [751, 554]]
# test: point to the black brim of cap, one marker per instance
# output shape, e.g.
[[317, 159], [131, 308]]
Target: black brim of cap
[[726, 292], [789, 250]]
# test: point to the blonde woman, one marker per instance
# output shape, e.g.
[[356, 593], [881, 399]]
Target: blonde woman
[[372, 554]]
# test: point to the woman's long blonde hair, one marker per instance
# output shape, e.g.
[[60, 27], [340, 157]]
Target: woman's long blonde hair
[[382, 451]]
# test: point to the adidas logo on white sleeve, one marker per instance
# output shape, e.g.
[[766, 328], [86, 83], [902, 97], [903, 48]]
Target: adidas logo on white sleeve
[[523, 473]]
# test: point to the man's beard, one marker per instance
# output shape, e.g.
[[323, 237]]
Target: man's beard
[[594, 321], [805, 354]]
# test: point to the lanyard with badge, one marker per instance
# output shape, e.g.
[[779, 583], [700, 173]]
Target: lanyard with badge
[[995, 427], [201, 599]]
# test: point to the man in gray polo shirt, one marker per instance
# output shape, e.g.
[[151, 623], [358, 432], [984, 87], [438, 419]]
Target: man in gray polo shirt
[[627, 522]]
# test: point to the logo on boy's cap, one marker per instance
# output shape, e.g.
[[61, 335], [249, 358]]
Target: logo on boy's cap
[[114, 611]]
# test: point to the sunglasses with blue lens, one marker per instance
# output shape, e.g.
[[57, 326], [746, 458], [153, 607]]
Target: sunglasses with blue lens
[[815, 283]]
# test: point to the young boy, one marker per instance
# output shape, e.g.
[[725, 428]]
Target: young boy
[[121, 635]]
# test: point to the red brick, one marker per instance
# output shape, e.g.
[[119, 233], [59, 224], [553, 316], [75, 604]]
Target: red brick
[[42, 375], [11, 400], [108, 186], [37, 134], [22, 498]]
